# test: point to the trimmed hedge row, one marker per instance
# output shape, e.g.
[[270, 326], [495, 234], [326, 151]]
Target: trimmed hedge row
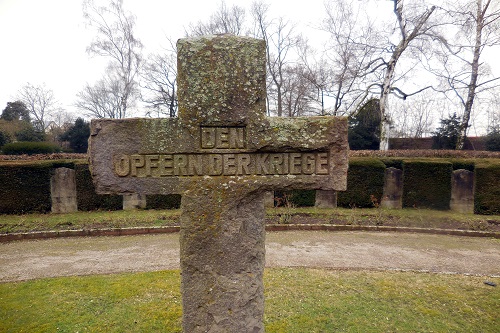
[[25, 187], [365, 183], [30, 148], [487, 189], [87, 198], [420, 192]]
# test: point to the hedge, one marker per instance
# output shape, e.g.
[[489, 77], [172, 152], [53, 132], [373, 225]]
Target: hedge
[[25, 188], [30, 148], [427, 184], [160, 201], [487, 188], [297, 198], [87, 198], [365, 183]]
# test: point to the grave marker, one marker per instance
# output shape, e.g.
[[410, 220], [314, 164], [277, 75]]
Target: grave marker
[[222, 154]]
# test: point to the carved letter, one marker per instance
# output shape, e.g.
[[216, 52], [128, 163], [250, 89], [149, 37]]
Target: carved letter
[[237, 137], [295, 163], [207, 137], [195, 165], [228, 165], [262, 164], [243, 162], [180, 165], [308, 161], [137, 161], [166, 165], [122, 166], [214, 164], [151, 162], [222, 137], [322, 164], [276, 164]]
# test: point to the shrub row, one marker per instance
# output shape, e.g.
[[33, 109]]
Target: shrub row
[[365, 183], [427, 182], [487, 188], [30, 148], [25, 186]]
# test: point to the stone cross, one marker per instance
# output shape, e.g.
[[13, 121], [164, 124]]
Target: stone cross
[[222, 153]]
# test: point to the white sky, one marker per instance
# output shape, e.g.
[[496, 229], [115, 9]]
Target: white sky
[[45, 41]]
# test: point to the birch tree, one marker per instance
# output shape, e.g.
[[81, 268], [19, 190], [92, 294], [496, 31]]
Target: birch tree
[[477, 27], [410, 26]]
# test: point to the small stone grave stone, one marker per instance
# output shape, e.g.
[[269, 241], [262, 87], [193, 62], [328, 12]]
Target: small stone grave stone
[[462, 191], [222, 154], [63, 191], [392, 196]]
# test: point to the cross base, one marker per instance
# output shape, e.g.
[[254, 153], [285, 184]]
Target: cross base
[[222, 259]]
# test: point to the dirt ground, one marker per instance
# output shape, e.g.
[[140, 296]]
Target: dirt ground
[[334, 250]]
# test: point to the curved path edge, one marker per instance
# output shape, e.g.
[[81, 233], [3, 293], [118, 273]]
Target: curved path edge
[[270, 227]]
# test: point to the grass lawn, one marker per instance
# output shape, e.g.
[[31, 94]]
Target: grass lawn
[[423, 218], [297, 300]]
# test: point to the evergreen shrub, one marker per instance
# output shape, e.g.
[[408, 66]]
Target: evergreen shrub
[[161, 201], [393, 163], [87, 198], [487, 188], [30, 148], [302, 198], [25, 188], [365, 183], [427, 184]]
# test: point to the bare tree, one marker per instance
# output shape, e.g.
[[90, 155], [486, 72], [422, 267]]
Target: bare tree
[[466, 76], [40, 102], [159, 80], [349, 53], [224, 21], [102, 100], [412, 25], [280, 40], [416, 118], [115, 40], [298, 91]]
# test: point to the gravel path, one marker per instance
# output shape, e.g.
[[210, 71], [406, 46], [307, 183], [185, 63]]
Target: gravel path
[[338, 250]]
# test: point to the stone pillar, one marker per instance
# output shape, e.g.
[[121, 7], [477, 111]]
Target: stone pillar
[[392, 196], [63, 191], [269, 199], [222, 260], [462, 191], [325, 199], [134, 201]]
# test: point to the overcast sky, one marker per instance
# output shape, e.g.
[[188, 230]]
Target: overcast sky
[[45, 41]]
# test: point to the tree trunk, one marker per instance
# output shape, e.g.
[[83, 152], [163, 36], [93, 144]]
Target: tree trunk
[[471, 93]]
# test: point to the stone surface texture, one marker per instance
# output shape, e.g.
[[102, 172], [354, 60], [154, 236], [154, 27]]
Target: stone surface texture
[[392, 196], [132, 201], [325, 199], [221, 154], [63, 191], [462, 191]]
